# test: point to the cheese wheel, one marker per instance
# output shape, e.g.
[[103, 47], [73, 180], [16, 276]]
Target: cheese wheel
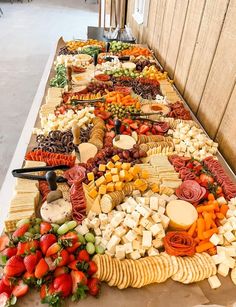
[[57, 211], [181, 213], [87, 151], [124, 142]]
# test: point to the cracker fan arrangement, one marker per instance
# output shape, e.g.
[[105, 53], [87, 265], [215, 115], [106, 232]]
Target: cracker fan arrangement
[[120, 185]]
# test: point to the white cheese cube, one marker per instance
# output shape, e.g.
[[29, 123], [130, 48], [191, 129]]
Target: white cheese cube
[[218, 258], [144, 211], [136, 244], [230, 213], [131, 201], [223, 269], [116, 220], [140, 200], [120, 231], [128, 248], [136, 193], [103, 218], [227, 227], [229, 236], [139, 230], [119, 208], [149, 225], [109, 253], [147, 239], [135, 255], [129, 222], [214, 239], [229, 261], [144, 222], [156, 218], [152, 251], [221, 200], [98, 240], [124, 206], [162, 202], [161, 234], [82, 229], [91, 215], [221, 250], [154, 204], [221, 230], [104, 243], [95, 223], [223, 221], [135, 215], [165, 221], [110, 216], [161, 210], [107, 232], [230, 251], [97, 231], [113, 242], [131, 235], [157, 243], [120, 252], [156, 228]]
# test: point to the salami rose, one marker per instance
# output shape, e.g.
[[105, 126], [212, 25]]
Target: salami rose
[[179, 243], [190, 191]]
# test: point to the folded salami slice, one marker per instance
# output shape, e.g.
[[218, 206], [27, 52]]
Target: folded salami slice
[[179, 243], [75, 174], [190, 191]]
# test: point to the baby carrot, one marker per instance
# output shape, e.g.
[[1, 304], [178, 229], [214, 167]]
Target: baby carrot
[[205, 208], [211, 196], [204, 247], [220, 215], [207, 219], [200, 228], [210, 232], [192, 229], [223, 209]]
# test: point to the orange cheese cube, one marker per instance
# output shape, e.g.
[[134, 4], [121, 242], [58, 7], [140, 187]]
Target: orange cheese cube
[[123, 174], [100, 181], [141, 185], [144, 174], [108, 177], [110, 165], [115, 178], [126, 166], [102, 167], [90, 176], [155, 188], [115, 158], [102, 189], [118, 164], [119, 186], [110, 187], [135, 170], [114, 171], [129, 177], [93, 193]]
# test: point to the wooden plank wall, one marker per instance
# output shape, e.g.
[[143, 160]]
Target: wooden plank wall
[[195, 41]]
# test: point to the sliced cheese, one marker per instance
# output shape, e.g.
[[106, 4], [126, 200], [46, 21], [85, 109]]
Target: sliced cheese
[[124, 142], [57, 211], [181, 213], [87, 151]]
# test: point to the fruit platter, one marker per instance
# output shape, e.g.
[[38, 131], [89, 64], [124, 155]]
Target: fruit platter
[[121, 194]]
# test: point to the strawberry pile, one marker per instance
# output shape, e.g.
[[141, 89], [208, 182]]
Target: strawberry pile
[[59, 266]]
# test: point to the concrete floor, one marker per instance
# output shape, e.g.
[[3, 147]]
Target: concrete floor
[[28, 32]]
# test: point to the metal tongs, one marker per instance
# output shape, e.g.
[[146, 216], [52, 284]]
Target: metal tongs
[[138, 116], [77, 101]]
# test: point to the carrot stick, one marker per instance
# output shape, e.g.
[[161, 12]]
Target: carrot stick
[[192, 229], [200, 228], [205, 208], [204, 247], [207, 219], [223, 209], [220, 215], [210, 232]]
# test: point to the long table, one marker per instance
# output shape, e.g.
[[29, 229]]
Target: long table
[[169, 293]]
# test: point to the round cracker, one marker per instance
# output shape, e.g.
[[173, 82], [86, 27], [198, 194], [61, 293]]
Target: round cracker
[[97, 259], [110, 267], [170, 265], [130, 265], [174, 264], [179, 274], [211, 263], [155, 273], [189, 272], [114, 276], [147, 268], [137, 274], [199, 267], [123, 281], [203, 269], [119, 273], [167, 268]]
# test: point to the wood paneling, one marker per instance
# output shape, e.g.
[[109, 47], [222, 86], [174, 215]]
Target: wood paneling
[[195, 41]]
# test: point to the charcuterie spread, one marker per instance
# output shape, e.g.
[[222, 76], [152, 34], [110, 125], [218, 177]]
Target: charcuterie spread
[[120, 184]]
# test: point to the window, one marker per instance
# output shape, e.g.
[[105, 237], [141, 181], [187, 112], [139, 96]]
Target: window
[[141, 9]]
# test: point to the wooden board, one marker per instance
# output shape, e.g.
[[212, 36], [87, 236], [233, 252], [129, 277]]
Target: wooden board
[[175, 36], [188, 41], [166, 30], [221, 78], [226, 135], [205, 47]]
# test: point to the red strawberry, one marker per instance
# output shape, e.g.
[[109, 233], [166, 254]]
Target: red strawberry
[[41, 269], [20, 289], [43, 291], [60, 270], [45, 227], [50, 263], [74, 247], [62, 259], [94, 286], [9, 252], [46, 241], [83, 255], [30, 262], [63, 285], [4, 241], [78, 279], [25, 248], [92, 268], [73, 265], [14, 266], [53, 249], [71, 258], [5, 288], [39, 255], [4, 299], [7, 280], [29, 278], [70, 236], [18, 233], [47, 292]]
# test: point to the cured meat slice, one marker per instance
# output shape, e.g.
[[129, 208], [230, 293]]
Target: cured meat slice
[[190, 191], [179, 243], [76, 173]]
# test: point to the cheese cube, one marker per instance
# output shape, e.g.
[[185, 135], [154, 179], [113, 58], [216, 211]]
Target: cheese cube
[[150, 224], [116, 220], [152, 251], [230, 251], [221, 250], [129, 177], [82, 229], [144, 222], [227, 227], [157, 243], [131, 235], [230, 213], [147, 239], [131, 201], [214, 239], [93, 193], [123, 174], [144, 211], [161, 210], [90, 176], [165, 221], [120, 231], [221, 230], [111, 254], [129, 222], [100, 181], [136, 193], [229, 261], [144, 174], [95, 223], [115, 178], [118, 165], [154, 203], [223, 269], [229, 236], [155, 229], [110, 187], [128, 248], [119, 186], [98, 240], [97, 232], [126, 166], [120, 252], [139, 230], [156, 218], [155, 188], [102, 167], [218, 258], [102, 189], [135, 215], [108, 177], [115, 158], [110, 165], [91, 215], [114, 171], [135, 170], [113, 242], [136, 244], [214, 282], [103, 218], [135, 255], [162, 203], [124, 206]]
